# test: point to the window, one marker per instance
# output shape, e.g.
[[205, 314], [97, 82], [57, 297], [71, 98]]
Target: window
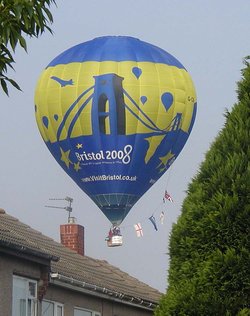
[[50, 308], [85, 312], [24, 297]]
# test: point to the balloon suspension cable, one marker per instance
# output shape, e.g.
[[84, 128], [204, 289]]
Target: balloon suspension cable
[[68, 208], [168, 176]]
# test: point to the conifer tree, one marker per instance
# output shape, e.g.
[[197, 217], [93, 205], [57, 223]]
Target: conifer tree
[[210, 243]]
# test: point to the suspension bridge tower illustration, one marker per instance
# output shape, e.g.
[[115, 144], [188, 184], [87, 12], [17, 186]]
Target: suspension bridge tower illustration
[[108, 110]]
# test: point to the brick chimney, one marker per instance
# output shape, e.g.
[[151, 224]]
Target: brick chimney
[[72, 236]]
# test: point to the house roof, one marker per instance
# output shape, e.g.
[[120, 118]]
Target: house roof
[[80, 270]]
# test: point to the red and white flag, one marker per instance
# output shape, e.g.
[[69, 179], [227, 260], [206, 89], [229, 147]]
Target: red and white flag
[[138, 230], [168, 197]]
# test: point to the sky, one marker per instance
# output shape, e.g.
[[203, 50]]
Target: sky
[[210, 38]]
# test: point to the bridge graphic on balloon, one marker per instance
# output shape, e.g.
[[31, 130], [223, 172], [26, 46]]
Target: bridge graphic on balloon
[[108, 110]]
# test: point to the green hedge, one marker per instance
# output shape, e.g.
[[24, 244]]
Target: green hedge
[[210, 243]]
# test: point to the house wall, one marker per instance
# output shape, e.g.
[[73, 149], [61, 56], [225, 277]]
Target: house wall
[[70, 299], [10, 265]]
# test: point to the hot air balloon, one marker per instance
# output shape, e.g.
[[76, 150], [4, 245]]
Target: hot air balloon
[[115, 112]]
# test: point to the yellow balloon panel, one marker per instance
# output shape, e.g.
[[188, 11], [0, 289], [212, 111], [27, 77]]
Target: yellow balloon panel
[[155, 79]]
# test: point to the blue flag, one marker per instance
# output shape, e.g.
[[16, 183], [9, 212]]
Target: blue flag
[[152, 220]]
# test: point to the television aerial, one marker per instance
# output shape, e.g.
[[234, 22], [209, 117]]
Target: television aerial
[[67, 208]]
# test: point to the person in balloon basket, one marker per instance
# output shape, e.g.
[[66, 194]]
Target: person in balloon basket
[[113, 232]]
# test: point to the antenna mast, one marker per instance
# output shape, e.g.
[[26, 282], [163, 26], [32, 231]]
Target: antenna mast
[[68, 208]]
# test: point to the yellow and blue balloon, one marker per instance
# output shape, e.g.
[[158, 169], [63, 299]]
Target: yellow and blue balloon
[[115, 112]]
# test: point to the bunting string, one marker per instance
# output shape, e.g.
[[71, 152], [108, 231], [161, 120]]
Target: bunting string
[[154, 217], [158, 213]]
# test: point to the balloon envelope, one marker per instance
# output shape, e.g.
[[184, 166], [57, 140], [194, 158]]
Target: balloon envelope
[[115, 112]]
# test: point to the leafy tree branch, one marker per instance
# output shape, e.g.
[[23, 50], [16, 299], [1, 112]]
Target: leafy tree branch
[[20, 18]]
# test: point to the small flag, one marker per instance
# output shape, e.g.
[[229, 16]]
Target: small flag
[[168, 197], [138, 230], [162, 216], [152, 220]]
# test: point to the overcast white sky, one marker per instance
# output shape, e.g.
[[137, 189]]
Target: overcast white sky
[[210, 38]]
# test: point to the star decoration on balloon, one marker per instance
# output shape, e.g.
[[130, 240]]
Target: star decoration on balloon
[[166, 161], [65, 157], [77, 166], [79, 146]]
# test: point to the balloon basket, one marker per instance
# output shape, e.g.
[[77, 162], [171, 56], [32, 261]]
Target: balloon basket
[[114, 241]]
